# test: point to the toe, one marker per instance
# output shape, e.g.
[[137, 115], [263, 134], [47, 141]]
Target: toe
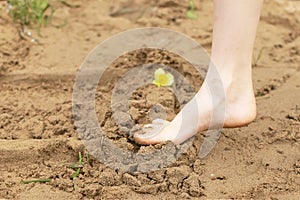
[[160, 121], [147, 136], [151, 133], [141, 139]]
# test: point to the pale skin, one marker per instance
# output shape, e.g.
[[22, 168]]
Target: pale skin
[[234, 31]]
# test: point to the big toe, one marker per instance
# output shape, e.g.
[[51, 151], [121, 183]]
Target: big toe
[[160, 121], [150, 133]]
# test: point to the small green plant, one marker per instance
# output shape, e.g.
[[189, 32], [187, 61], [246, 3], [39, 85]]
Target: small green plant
[[31, 13], [77, 166], [192, 13]]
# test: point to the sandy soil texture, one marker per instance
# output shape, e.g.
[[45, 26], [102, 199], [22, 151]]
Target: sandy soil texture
[[38, 139]]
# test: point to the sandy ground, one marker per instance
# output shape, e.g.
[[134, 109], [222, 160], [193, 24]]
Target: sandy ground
[[38, 139]]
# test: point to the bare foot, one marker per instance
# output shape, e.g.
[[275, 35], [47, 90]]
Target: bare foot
[[234, 102], [240, 110]]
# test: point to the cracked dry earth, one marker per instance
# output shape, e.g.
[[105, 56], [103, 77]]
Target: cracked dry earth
[[38, 139]]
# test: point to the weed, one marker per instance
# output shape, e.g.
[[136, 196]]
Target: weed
[[31, 13], [192, 13], [77, 166]]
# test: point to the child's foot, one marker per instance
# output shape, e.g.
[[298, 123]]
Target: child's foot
[[240, 110]]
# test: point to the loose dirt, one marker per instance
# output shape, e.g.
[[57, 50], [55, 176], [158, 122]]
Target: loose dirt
[[38, 139]]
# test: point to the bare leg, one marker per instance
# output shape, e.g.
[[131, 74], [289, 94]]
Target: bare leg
[[235, 24]]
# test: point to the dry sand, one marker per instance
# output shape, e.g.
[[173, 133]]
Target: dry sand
[[37, 135]]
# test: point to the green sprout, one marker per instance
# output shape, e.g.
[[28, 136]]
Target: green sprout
[[31, 13], [77, 166], [192, 13]]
